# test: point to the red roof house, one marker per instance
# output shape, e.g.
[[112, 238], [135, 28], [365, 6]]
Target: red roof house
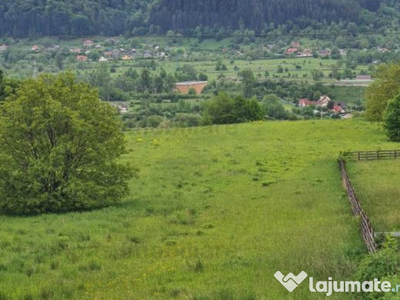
[[291, 51], [88, 43], [81, 58], [306, 102]]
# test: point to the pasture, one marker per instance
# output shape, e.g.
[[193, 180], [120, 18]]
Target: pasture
[[215, 212], [376, 186]]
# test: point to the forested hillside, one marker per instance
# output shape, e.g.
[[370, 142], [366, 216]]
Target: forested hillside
[[73, 17], [25, 18], [256, 14]]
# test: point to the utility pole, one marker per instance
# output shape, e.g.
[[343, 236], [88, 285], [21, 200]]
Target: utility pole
[[35, 70]]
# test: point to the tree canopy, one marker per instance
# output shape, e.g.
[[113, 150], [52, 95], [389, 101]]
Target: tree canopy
[[384, 88], [255, 14], [59, 147], [115, 17], [391, 119], [223, 109]]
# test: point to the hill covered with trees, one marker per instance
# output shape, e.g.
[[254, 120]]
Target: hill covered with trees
[[73, 17], [27, 18], [258, 15]]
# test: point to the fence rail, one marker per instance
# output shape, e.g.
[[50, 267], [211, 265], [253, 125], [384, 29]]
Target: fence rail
[[373, 155], [365, 225]]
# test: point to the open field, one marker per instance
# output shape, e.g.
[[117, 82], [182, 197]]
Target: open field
[[260, 66], [377, 187], [215, 213]]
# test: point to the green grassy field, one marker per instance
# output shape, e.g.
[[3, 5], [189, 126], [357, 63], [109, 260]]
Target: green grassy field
[[208, 67], [215, 213], [376, 186]]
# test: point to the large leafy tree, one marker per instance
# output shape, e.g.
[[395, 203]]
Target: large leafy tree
[[382, 90], [59, 147]]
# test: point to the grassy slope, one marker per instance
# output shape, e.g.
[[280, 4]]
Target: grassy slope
[[257, 66], [215, 213], [377, 187]]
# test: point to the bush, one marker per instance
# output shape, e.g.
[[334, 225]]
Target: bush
[[223, 109], [391, 119], [59, 150]]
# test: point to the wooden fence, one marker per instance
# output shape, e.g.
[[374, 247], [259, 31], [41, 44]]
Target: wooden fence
[[373, 155], [365, 225]]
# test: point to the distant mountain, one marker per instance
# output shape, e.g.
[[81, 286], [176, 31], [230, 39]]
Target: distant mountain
[[25, 18]]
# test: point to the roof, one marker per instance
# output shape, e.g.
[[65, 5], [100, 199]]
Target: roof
[[337, 108], [307, 102], [364, 77], [191, 82]]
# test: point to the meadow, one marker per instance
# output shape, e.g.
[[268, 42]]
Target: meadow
[[258, 67], [376, 186], [214, 213]]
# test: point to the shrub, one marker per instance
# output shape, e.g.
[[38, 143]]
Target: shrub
[[391, 119], [223, 109]]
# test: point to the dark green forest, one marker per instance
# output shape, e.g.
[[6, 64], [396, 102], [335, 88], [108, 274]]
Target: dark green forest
[[259, 15], [32, 18], [24, 18]]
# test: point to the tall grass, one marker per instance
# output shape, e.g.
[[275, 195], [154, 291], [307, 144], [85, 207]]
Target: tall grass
[[376, 185], [215, 213]]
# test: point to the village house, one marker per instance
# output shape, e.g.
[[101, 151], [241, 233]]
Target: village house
[[364, 77], [325, 53], [305, 53], [323, 101], [108, 53], [81, 58], [3, 47], [126, 57], [306, 102], [291, 51], [123, 108], [338, 109], [295, 44], [185, 87], [103, 59], [35, 48], [88, 43], [75, 50]]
